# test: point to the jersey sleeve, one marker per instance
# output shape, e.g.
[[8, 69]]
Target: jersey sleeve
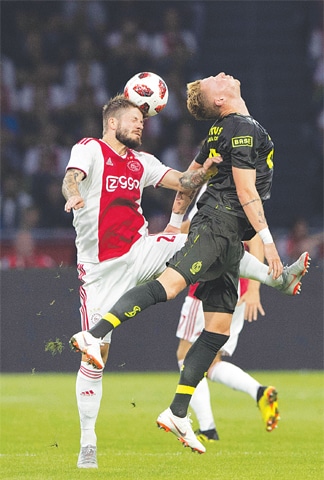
[[154, 169], [82, 155], [203, 153]]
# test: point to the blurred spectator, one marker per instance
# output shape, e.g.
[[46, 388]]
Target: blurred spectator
[[14, 199], [152, 139], [52, 214], [176, 108], [175, 47], [84, 108], [181, 153], [25, 254], [43, 187], [10, 126], [85, 69], [46, 154], [86, 15], [30, 218], [39, 104], [128, 49], [300, 240], [8, 83]]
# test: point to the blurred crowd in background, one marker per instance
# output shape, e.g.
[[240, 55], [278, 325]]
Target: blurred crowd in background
[[62, 60]]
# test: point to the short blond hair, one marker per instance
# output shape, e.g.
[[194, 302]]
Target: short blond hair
[[197, 104]]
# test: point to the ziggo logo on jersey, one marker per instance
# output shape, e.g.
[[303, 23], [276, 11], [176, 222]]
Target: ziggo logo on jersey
[[126, 183]]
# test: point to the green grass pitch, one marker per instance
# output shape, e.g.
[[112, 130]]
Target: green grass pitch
[[40, 430]]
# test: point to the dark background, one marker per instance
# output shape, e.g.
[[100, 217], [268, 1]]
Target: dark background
[[266, 44]]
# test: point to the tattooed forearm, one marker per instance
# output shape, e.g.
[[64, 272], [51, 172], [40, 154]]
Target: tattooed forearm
[[71, 181], [261, 218], [251, 201], [193, 179], [182, 201]]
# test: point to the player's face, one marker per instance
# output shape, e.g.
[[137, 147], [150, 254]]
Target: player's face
[[220, 85], [130, 128]]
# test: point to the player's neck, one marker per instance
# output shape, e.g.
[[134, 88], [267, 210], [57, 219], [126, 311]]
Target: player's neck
[[237, 106], [118, 147]]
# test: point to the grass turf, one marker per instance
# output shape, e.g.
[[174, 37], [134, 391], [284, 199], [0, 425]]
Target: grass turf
[[40, 430]]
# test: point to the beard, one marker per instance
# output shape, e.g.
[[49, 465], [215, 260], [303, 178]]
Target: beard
[[123, 137]]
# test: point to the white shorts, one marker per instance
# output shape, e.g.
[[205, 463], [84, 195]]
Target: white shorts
[[192, 322], [105, 282]]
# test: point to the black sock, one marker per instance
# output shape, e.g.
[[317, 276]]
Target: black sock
[[196, 363], [130, 304], [260, 392]]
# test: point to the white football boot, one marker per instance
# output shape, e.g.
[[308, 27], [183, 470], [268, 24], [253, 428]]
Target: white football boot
[[181, 427], [89, 345]]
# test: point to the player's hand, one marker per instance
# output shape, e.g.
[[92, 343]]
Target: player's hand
[[253, 305], [171, 229], [75, 202], [273, 259], [210, 165]]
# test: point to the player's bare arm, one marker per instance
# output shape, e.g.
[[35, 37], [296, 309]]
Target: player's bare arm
[[252, 205], [193, 178], [197, 175], [184, 197], [70, 189]]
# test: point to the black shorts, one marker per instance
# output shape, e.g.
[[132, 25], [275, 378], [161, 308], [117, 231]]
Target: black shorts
[[211, 256]]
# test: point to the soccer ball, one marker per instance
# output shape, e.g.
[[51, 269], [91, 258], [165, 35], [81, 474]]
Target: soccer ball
[[148, 91]]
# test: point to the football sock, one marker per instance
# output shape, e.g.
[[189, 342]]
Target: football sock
[[234, 377], [260, 392], [195, 365], [252, 268], [88, 394], [200, 403], [130, 304]]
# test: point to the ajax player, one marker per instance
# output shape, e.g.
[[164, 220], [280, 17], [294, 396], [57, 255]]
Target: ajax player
[[103, 186]]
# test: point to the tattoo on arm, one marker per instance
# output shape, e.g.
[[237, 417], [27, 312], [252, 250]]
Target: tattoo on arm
[[182, 201], [251, 201], [262, 219], [193, 179], [260, 213], [71, 182]]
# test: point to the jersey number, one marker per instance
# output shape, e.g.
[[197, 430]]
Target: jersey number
[[167, 239]]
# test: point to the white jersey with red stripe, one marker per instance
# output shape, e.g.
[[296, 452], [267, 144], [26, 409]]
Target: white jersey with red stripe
[[112, 219], [192, 322]]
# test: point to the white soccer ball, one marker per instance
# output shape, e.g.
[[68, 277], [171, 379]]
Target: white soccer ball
[[148, 91]]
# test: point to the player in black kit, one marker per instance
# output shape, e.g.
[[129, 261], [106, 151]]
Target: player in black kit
[[230, 211]]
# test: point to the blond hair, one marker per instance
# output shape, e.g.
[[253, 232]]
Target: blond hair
[[197, 104]]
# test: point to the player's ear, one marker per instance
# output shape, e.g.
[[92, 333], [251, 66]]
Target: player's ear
[[219, 101], [112, 123]]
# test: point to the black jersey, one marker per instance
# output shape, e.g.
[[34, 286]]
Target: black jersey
[[243, 143]]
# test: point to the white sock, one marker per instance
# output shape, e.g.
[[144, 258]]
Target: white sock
[[200, 403], [88, 394], [234, 377], [251, 267]]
